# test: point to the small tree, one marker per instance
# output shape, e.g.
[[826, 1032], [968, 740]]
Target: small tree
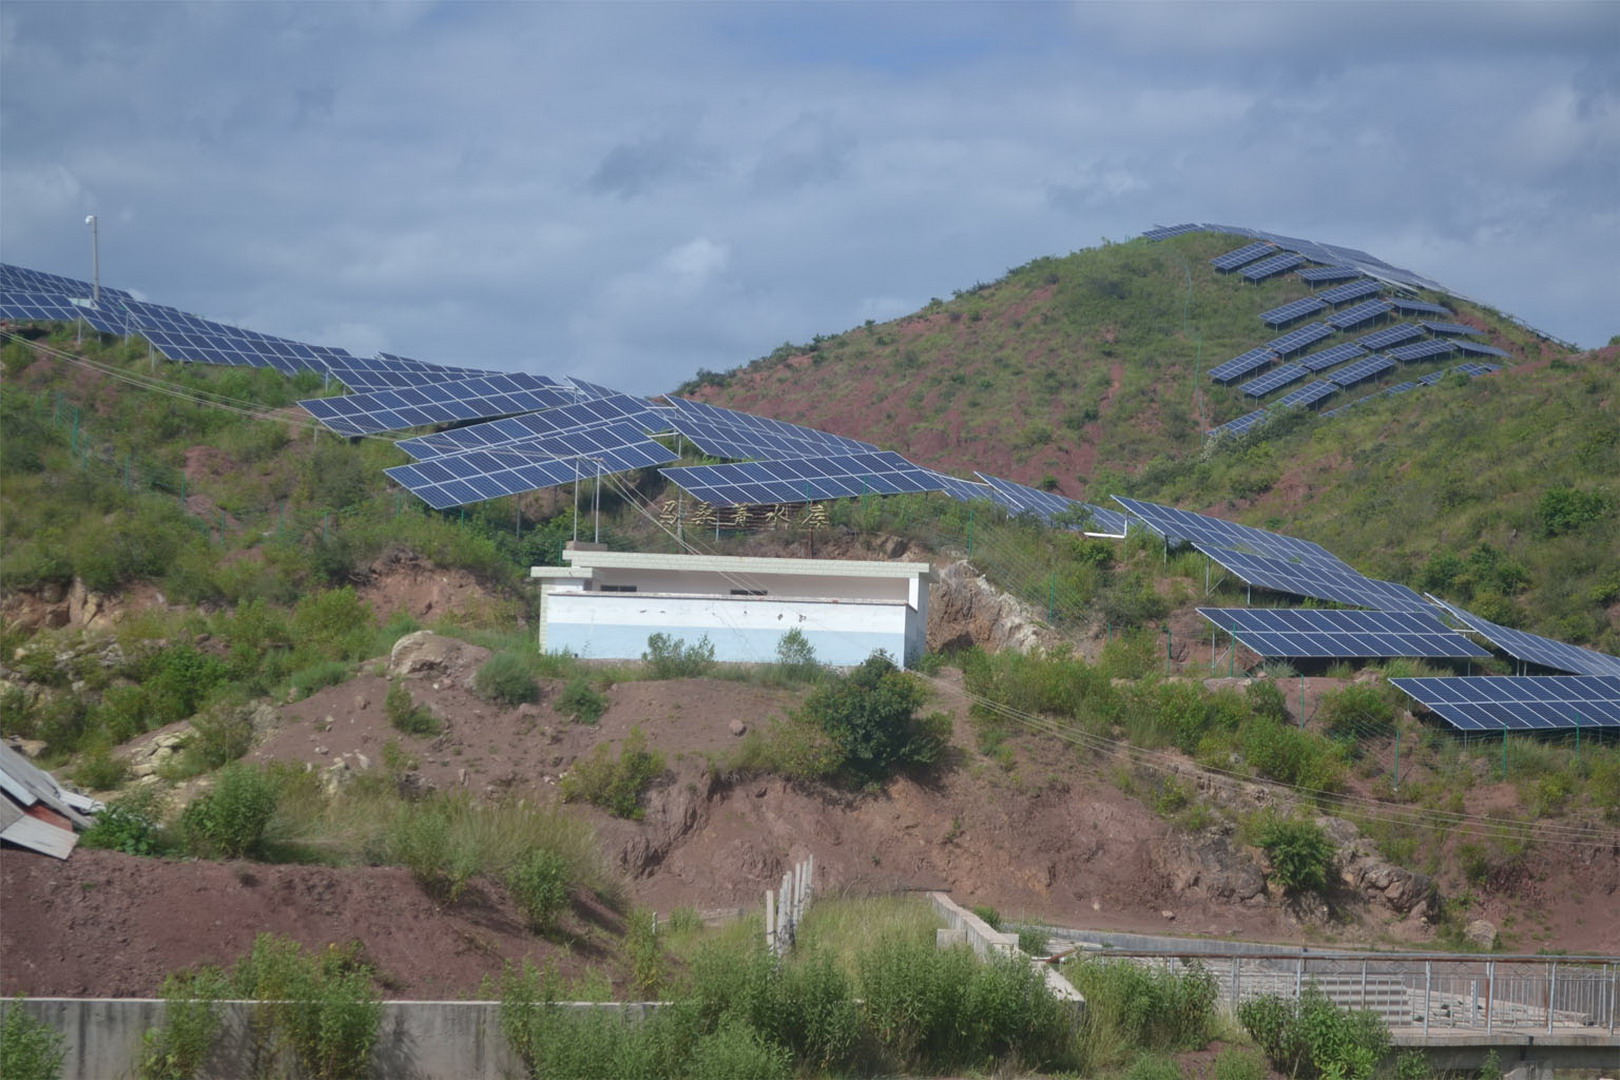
[[871, 714], [1300, 852]]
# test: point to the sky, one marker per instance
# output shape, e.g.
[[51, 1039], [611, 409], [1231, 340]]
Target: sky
[[630, 192]]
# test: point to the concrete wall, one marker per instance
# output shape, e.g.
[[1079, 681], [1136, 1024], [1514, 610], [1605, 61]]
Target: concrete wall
[[417, 1040], [988, 941]]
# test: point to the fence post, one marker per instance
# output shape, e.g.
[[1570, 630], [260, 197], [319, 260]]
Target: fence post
[[1428, 988], [1490, 994], [1504, 753], [1363, 982], [770, 921], [1299, 976], [1235, 963], [1552, 992]]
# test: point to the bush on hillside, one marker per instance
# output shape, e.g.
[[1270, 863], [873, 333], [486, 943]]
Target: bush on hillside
[[616, 784], [871, 716], [506, 680], [539, 883], [1301, 854], [29, 1049], [1312, 1037], [405, 714], [1361, 711], [673, 658], [231, 820], [581, 702]]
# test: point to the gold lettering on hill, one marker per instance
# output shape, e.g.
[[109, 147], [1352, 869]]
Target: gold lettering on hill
[[773, 517]]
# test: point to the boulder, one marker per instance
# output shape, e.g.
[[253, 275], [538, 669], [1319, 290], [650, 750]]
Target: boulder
[[427, 653], [1482, 933]]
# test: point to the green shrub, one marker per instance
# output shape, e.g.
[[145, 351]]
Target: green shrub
[[1131, 1008], [1153, 1067], [673, 658], [1235, 1063], [230, 820], [319, 1008], [580, 702], [615, 784], [128, 824], [737, 1052], [421, 840], [1032, 942], [1301, 854], [29, 1049], [870, 714], [505, 679], [318, 676], [100, 769], [1565, 509], [540, 885], [796, 658], [990, 915], [1357, 711], [1312, 1037], [220, 735], [644, 947], [405, 714], [191, 1022], [1291, 755]]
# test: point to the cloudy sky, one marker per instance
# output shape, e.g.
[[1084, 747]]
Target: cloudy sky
[[631, 191]]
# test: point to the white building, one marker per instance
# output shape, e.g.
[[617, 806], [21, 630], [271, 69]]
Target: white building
[[605, 604]]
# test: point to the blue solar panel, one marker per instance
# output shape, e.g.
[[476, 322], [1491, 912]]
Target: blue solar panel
[[964, 490], [1419, 307], [1164, 232], [1318, 582], [1505, 702], [1303, 338], [1241, 424], [1329, 634], [1318, 274], [1277, 264], [1421, 350], [1242, 256], [1186, 526], [1298, 309], [590, 389], [1434, 327], [1308, 395], [1473, 368], [731, 434], [1389, 335], [466, 399], [1275, 379], [1430, 379], [1476, 349], [1021, 499], [837, 476], [1333, 255], [1362, 370], [1357, 314], [1347, 406], [1533, 648], [458, 479], [41, 306], [1239, 366], [1400, 388], [22, 279], [577, 416], [1355, 290], [1334, 354]]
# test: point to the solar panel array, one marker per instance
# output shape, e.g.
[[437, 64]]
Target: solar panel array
[[1275, 379], [1477, 349], [22, 279], [1342, 586], [1362, 370], [1334, 255], [731, 434], [1244, 255], [1239, 366], [1533, 648], [1421, 350], [964, 490], [1365, 311], [1431, 378], [1389, 335], [1418, 307], [1277, 264], [1186, 526], [1021, 498], [1303, 338], [1297, 309], [1308, 395], [836, 476], [466, 399], [1514, 703], [1334, 354], [43, 306], [1332, 634], [1164, 232], [1355, 290], [578, 416], [1317, 274], [1434, 327], [1241, 424], [1476, 369]]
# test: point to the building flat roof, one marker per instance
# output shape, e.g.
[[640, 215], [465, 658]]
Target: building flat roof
[[585, 561]]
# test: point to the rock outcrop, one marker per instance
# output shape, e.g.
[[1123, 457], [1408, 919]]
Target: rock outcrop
[[965, 609]]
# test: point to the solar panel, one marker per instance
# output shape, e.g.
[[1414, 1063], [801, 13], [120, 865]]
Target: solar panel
[[1318, 274], [1533, 648], [1239, 366], [1347, 406], [1334, 354], [838, 476], [1355, 290], [1165, 232], [578, 416], [1275, 379], [1357, 314], [1244, 255], [964, 490], [1420, 350], [1389, 335], [1185, 525], [1303, 338], [43, 306], [1333, 255], [732, 434], [1298, 309], [1400, 388], [1430, 379], [1241, 424], [1362, 370], [590, 389], [1342, 586], [1476, 349], [1434, 327], [466, 399], [1473, 368], [1419, 307], [1517, 703], [1308, 395], [458, 479], [1328, 634], [22, 279], [1021, 498], [1273, 266]]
